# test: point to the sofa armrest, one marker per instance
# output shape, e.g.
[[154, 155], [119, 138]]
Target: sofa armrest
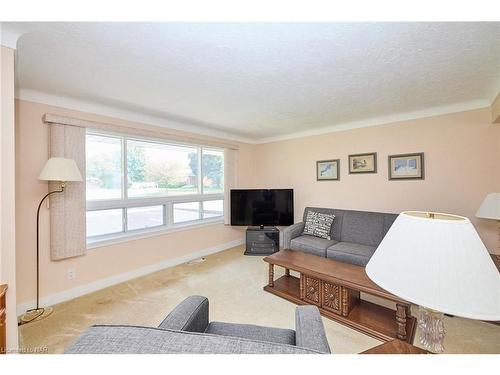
[[190, 315], [309, 329], [291, 232]]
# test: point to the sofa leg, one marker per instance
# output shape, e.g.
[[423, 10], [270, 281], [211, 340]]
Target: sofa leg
[[287, 272]]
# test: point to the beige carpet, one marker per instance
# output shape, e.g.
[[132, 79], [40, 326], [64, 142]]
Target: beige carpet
[[233, 283]]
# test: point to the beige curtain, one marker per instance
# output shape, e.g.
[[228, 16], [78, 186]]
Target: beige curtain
[[230, 180], [67, 210]]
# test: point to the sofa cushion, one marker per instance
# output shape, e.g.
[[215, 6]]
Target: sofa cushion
[[318, 224], [252, 332], [352, 253], [311, 245], [366, 228]]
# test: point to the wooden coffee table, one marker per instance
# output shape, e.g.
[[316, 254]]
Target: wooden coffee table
[[335, 287]]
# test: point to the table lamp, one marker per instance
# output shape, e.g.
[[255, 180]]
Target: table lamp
[[437, 261], [56, 169]]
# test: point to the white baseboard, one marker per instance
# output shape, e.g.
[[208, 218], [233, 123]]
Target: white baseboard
[[66, 295]]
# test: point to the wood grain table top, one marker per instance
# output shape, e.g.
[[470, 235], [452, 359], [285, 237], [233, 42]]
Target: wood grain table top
[[395, 347]]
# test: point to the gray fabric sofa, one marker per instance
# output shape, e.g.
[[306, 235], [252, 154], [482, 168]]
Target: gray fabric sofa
[[187, 330], [354, 235]]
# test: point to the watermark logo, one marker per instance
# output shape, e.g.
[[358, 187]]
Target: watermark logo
[[26, 350]]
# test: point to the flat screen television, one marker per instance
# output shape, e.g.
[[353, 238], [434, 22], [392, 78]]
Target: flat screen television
[[262, 207]]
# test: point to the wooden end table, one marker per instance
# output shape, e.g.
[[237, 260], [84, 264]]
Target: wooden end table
[[3, 336], [335, 288], [395, 347], [496, 259]]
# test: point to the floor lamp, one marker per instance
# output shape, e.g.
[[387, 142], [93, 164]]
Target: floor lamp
[[437, 261], [61, 170]]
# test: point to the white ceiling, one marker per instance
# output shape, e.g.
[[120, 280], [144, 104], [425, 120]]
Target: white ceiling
[[264, 81]]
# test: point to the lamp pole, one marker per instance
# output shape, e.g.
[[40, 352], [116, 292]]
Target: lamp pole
[[32, 314]]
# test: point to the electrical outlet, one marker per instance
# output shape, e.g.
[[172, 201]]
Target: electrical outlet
[[71, 273]]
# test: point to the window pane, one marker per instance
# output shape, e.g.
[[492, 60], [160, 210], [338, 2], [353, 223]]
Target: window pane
[[144, 217], [213, 171], [104, 222], [156, 169], [104, 167], [186, 212], [212, 209]]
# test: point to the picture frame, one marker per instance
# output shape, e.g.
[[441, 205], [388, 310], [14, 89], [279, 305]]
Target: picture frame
[[328, 170], [363, 163], [406, 166]]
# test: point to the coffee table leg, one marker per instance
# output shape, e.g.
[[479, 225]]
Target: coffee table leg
[[271, 275], [401, 314], [287, 272]]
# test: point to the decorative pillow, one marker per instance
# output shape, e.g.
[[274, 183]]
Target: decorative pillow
[[318, 224]]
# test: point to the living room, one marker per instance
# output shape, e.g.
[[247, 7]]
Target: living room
[[238, 187]]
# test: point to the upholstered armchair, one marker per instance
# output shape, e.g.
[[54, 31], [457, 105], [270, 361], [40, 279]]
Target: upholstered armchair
[[187, 329]]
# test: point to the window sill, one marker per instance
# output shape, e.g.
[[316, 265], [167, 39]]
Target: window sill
[[147, 233]]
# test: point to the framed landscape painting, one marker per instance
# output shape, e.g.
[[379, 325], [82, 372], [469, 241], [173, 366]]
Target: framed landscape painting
[[328, 170], [406, 166], [363, 163]]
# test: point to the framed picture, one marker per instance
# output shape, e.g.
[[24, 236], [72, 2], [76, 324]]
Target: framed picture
[[363, 163], [406, 166], [328, 170]]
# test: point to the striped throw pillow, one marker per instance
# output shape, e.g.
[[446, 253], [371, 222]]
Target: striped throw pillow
[[318, 224]]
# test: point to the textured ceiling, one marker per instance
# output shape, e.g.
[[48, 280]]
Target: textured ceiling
[[263, 80]]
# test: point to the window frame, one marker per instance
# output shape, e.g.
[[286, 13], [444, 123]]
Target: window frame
[[167, 202]]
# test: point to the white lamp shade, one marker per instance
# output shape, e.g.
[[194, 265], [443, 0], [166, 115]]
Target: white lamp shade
[[60, 169], [490, 208], [439, 263]]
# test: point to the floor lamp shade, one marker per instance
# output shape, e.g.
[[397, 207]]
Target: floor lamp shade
[[60, 169], [439, 262], [490, 208]]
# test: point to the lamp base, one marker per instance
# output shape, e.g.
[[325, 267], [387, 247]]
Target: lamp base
[[432, 330], [35, 315]]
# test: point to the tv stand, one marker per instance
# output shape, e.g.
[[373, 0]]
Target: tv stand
[[262, 240]]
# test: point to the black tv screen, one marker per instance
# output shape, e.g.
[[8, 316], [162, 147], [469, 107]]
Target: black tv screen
[[262, 207]]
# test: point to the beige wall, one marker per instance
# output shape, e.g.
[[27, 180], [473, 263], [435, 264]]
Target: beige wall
[[7, 191], [462, 159], [99, 263]]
